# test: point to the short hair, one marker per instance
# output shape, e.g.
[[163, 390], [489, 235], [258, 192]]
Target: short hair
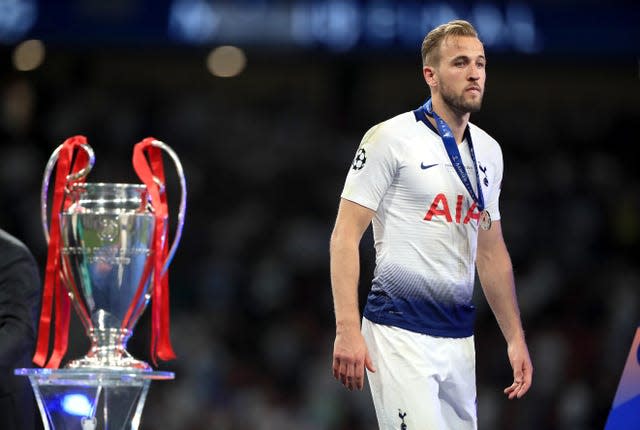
[[433, 40]]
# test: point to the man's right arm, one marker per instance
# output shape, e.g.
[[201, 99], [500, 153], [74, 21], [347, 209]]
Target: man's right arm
[[350, 354], [19, 301]]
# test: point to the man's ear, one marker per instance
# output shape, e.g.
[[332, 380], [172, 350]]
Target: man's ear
[[430, 76]]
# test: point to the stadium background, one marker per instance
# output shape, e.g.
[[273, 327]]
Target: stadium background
[[266, 152]]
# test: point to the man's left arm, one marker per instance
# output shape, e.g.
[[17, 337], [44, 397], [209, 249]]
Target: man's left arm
[[496, 276]]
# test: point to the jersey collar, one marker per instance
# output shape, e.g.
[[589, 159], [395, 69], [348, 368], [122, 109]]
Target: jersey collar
[[421, 116]]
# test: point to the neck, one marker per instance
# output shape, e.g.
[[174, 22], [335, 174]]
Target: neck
[[456, 120]]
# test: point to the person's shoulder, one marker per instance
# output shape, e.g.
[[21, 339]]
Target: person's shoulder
[[10, 241], [12, 246], [478, 133], [400, 123], [391, 129], [482, 139], [484, 145]]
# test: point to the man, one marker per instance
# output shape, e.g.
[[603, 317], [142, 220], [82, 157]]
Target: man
[[19, 305], [429, 181]]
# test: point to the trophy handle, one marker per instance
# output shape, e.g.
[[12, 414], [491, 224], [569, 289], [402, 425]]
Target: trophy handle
[[72, 177], [183, 200]]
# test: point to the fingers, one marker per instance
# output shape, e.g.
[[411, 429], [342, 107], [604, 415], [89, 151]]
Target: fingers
[[351, 372], [522, 377], [517, 389], [527, 376], [340, 371], [512, 390], [352, 376]]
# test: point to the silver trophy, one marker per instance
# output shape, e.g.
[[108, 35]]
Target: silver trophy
[[106, 245]]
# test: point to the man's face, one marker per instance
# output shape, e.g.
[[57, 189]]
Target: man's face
[[461, 73]]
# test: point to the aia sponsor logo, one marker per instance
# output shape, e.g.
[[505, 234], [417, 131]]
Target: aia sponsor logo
[[440, 208]]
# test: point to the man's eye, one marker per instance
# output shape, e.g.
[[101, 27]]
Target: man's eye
[[481, 65]]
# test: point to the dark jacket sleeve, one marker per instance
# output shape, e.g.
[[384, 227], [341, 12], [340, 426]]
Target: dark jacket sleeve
[[20, 292], [19, 306]]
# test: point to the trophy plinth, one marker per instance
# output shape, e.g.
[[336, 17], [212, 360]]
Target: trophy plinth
[[91, 399], [108, 352]]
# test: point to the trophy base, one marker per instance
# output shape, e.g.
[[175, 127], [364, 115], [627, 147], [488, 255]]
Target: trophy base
[[96, 399], [121, 363], [108, 355], [113, 360]]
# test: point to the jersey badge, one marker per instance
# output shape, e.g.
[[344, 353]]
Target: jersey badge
[[359, 160], [401, 414], [484, 170]]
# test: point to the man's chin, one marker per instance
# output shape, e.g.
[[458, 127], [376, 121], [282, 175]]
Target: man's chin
[[463, 105], [472, 106], [475, 108]]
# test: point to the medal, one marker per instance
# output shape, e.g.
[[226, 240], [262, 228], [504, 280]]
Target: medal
[[485, 220]]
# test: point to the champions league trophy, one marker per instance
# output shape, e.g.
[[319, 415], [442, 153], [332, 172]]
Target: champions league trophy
[[108, 257]]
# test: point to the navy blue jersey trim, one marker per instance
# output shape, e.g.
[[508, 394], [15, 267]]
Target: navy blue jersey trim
[[420, 116], [421, 316], [389, 319]]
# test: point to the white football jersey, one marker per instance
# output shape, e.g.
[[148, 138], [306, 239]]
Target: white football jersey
[[426, 223]]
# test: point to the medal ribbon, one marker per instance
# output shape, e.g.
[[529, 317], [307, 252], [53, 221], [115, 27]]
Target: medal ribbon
[[454, 154], [151, 173], [54, 292]]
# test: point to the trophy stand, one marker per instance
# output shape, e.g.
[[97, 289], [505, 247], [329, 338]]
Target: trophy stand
[[91, 399]]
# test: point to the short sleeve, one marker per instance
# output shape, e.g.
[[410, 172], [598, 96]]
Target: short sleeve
[[373, 168], [492, 199]]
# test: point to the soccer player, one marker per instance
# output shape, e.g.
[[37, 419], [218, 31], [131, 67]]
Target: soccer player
[[429, 181]]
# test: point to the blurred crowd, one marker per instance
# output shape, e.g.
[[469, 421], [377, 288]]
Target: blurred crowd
[[265, 155]]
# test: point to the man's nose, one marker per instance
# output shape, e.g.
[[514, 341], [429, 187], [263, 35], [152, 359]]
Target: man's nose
[[474, 73], [474, 77]]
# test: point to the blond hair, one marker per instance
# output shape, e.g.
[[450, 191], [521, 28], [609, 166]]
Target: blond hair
[[432, 41]]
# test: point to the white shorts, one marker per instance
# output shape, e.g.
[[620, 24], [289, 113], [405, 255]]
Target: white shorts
[[421, 382]]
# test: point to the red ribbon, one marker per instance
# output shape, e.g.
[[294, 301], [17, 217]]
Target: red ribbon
[[54, 292], [147, 170]]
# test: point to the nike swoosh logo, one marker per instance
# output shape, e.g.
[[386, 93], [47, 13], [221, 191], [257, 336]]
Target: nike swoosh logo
[[423, 167]]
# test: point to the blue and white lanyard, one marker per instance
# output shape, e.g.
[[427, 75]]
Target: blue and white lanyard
[[454, 154]]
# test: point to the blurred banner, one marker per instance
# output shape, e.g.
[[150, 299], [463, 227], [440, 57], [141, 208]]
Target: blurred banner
[[340, 26], [625, 413]]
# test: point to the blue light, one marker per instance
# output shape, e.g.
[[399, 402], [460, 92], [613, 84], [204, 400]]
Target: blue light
[[17, 17], [76, 404], [409, 23], [193, 21], [488, 20], [381, 22], [438, 13], [342, 25], [301, 23], [334, 23], [522, 28]]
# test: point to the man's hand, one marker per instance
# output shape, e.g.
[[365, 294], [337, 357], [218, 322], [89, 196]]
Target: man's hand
[[522, 370], [350, 357]]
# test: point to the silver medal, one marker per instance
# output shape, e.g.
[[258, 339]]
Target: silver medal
[[485, 220]]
